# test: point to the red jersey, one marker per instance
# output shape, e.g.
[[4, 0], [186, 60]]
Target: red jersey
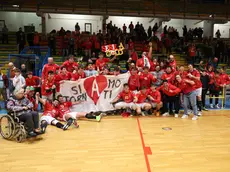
[[146, 79], [192, 51], [64, 108], [186, 87], [126, 97], [182, 74], [131, 45], [198, 83], [47, 68], [101, 63], [156, 95], [134, 82], [34, 81], [141, 97], [32, 100], [218, 83], [141, 63], [168, 76], [76, 76], [211, 77], [70, 67], [224, 79], [173, 65], [46, 86], [50, 110], [170, 90], [61, 77], [134, 56]]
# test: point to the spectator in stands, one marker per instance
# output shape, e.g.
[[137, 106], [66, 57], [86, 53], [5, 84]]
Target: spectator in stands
[[30, 38], [62, 32], [130, 46], [133, 57], [65, 46], [18, 81], [52, 42], [5, 35], [62, 76], [124, 28], [168, 44], [205, 80], [48, 86], [71, 45], [218, 35], [102, 61], [88, 48], [77, 28], [155, 28], [192, 54], [131, 27], [37, 43], [172, 62], [23, 70], [23, 107], [51, 66], [10, 75], [70, 64], [21, 41], [185, 31], [158, 75], [90, 70], [3, 85], [149, 32]]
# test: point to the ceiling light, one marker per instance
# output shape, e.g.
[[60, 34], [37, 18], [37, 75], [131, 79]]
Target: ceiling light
[[15, 6]]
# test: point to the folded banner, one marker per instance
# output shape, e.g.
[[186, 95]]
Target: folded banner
[[96, 92]]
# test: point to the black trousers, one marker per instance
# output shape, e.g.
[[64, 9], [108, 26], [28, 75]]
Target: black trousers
[[204, 92], [5, 38], [173, 101], [20, 48], [31, 120], [214, 93]]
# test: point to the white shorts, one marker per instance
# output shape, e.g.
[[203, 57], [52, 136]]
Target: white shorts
[[198, 92], [49, 120], [123, 105], [153, 104], [72, 114], [141, 105]]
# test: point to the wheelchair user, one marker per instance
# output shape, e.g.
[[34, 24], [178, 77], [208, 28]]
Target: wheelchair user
[[23, 108]]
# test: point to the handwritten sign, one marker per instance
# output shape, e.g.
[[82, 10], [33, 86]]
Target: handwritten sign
[[113, 50]]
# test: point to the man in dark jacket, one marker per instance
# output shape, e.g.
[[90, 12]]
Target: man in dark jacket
[[21, 41], [204, 78]]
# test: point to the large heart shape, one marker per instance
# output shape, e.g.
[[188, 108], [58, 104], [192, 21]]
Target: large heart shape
[[94, 87]]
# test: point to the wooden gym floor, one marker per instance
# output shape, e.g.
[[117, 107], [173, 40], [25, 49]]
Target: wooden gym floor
[[133, 144]]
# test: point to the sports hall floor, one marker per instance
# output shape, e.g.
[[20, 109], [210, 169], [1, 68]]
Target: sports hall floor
[[132, 144]]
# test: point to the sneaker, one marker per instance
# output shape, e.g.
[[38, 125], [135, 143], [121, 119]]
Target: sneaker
[[204, 108], [176, 115], [32, 134], [211, 106], [217, 106], [68, 124], [98, 118], [184, 116], [190, 112], [165, 114], [195, 118], [142, 113], [199, 113]]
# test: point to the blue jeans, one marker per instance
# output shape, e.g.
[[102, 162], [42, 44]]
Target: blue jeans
[[190, 99]]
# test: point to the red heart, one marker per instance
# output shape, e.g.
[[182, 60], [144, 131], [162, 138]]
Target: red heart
[[101, 82]]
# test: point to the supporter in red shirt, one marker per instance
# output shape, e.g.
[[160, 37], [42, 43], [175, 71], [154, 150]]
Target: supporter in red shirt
[[130, 45], [124, 28], [101, 62], [225, 79], [62, 76], [78, 74], [32, 80], [172, 63], [168, 75], [48, 86], [133, 56], [192, 53], [155, 99], [88, 47], [211, 75], [195, 76], [30, 96], [171, 96], [126, 97], [51, 66], [65, 45], [145, 60], [131, 27], [117, 71], [70, 64], [134, 80], [188, 89], [140, 102], [146, 78]]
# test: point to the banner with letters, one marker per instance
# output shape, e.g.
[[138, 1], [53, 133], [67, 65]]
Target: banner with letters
[[96, 92]]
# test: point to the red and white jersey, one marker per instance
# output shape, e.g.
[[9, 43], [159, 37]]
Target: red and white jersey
[[70, 67], [146, 79], [50, 110], [47, 68], [64, 108], [127, 97], [173, 65], [156, 95], [141, 96], [196, 73], [101, 63], [134, 82], [168, 76]]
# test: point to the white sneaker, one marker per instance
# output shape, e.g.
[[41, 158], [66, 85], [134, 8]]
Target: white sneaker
[[199, 114], [165, 114], [190, 112], [211, 106], [184, 116], [217, 106], [195, 118], [176, 115]]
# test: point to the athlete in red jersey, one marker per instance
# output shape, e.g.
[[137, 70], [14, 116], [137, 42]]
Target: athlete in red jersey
[[195, 76], [188, 89], [49, 114], [180, 72], [146, 78], [51, 66], [48, 86], [172, 63], [134, 80], [155, 99], [101, 62], [32, 80], [140, 101], [168, 75], [78, 74], [70, 64], [126, 97], [62, 76], [225, 79], [71, 117]]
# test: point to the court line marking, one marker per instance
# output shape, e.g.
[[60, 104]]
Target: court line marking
[[147, 150]]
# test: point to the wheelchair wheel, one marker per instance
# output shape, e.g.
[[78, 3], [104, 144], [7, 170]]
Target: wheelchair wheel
[[7, 127]]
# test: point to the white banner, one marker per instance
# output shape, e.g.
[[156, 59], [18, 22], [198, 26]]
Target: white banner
[[97, 92]]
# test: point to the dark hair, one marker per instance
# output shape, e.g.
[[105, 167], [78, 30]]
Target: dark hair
[[59, 96], [29, 73], [165, 80], [146, 67], [50, 72], [17, 70], [63, 67], [125, 85], [117, 69], [143, 87], [153, 85]]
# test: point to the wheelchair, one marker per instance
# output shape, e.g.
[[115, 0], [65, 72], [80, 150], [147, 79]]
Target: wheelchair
[[11, 128]]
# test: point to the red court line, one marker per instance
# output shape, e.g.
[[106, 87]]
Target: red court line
[[147, 150]]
